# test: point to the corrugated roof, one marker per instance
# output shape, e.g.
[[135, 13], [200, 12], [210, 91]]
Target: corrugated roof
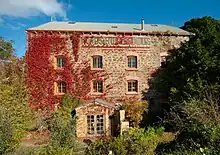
[[111, 27]]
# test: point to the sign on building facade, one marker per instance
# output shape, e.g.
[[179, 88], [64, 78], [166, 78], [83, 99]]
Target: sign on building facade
[[117, 41]]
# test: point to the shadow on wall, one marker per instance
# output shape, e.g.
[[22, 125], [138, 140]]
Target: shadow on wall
[[158, 101]]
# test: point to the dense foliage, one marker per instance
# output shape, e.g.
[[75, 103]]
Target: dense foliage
[[14, 111], [187, 89], [43, 48], [136, 141], [192, 67], [6, 49], [63, 124], [134, 111]]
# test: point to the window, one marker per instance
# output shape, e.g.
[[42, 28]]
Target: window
[[133, 86], [61, 87], [95, 124], [163, 61], [99, 124], [98, 86], [132, 61], [97, 61], [60, 62], [90, 124]]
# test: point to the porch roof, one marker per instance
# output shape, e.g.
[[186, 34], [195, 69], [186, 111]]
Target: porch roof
[[96, 101]]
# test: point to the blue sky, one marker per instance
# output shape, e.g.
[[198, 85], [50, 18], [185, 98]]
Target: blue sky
[[18, 15]]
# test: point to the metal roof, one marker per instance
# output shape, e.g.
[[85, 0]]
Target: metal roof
[[109, 27], [104, 103], [99, 101]]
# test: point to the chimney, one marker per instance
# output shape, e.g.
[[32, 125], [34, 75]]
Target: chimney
[[142, 24]]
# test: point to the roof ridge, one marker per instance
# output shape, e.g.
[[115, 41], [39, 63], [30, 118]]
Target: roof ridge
[[109, 27], [91, 22]]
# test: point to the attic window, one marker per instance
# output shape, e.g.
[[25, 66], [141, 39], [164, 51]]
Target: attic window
[[115, 27], [71, 22]]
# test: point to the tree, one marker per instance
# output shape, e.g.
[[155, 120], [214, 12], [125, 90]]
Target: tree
[[6, 48], [193, 67], [134, 111], [14, 111], [192, 72]]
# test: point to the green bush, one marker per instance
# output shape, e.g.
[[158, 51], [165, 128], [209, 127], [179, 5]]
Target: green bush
[[62, 133], [199, 151], [136, 141], [63, 124], [6, 134], [15, 115]]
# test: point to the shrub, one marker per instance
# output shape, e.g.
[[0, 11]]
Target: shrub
[[134, 111], [63, 124], [6, 134], [15, 115], [136, 141], [62, 133]]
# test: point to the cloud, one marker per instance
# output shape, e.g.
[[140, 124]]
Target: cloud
[[30, 8]]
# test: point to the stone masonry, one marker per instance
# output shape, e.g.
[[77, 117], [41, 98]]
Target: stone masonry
[[93, 108], [148, 48], [115, 62]]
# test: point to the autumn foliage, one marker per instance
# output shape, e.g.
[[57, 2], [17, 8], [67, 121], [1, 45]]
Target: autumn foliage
[[135, 110], [41, 73]]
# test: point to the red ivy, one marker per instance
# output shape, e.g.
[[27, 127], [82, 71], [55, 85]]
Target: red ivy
[[41, 74], [77, 73]]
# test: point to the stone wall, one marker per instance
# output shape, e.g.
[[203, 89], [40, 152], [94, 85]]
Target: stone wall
[[92, 109], [115, 63]]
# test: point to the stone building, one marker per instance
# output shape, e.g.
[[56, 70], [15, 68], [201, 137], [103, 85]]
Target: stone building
[[128, 53]]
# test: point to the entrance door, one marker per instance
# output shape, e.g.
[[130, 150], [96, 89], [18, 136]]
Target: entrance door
[[95, 124]]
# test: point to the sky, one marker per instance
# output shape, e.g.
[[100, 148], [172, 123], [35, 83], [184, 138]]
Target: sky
[[18, 15]]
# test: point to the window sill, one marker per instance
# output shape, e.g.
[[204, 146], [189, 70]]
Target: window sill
[[97, 69], [59, 94], [131, 93], [59, 69], [131, 69], [96, 94]]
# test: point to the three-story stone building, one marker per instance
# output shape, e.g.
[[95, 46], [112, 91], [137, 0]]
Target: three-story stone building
[[128, 54]]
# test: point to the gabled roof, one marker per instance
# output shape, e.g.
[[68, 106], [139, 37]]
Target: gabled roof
[[97, 101], [109, 27]]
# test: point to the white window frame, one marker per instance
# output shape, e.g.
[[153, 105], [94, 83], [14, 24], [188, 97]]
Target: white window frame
[[97, 86], [95, 124], [97, 61], [132, 61]]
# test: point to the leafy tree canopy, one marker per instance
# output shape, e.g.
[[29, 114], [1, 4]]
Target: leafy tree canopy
[[194, 66], [190, 85], [6, 48]]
